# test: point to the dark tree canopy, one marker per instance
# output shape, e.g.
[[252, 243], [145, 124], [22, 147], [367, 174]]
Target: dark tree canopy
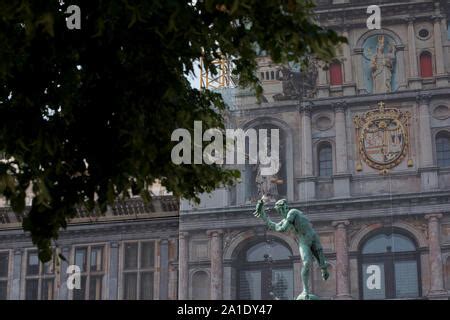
[[87, 115]]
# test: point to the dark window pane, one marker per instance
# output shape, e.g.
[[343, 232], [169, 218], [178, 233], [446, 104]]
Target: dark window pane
[[95, 287], [33, 263], [4, 259], [80, 258], [388, 243], [373, 283], [443, 151], [31, 289], [96, 259], [406, 279], [146, 286], [283, 284], [147, 254], [250, 285], [130, 286], [80, 294], [325, 161], [131, 255], [3, 290], [47, 289]]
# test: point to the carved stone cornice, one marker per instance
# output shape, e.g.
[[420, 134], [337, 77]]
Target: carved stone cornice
[[340, 106], [424, 98], [306, 108], [433, 216], [340, 223]]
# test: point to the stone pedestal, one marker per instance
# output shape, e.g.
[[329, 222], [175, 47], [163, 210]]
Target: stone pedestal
[[437, 290], [215, 240], [342, 263]]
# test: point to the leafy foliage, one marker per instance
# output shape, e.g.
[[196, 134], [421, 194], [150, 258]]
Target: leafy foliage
[[86, 115]]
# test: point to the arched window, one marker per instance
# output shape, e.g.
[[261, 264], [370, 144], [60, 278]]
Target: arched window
[[200, 286], [335, 74], [443, 149], [265, 271], [426, 65], [272, 75], [389, 267], [325, 160]]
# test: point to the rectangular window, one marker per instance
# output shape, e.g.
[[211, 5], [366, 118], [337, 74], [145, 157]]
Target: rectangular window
[[4, 267], [91, 260], [139, 267], [39, 278]]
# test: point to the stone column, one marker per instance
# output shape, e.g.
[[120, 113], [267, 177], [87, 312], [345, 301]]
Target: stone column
[[413, 71], [427, 170], [341, 138], [341, 179], [172, 282], [435, 257], [215, 241], [17, 268], [183, 266], [414, 80], [63, 293], [441, 78], [401, 73], [438, 49], [307, 185], [164, 270], [342, 265], [426, 150], [358, 58], [322, 82], [349, 85]]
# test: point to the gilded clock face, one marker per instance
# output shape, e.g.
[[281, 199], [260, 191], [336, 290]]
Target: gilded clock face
[[383, 141]]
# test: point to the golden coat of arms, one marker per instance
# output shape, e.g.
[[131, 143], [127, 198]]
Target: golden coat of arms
[[382, 138]]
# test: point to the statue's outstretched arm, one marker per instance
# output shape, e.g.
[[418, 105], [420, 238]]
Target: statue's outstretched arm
[[261, 213], [284, 224]]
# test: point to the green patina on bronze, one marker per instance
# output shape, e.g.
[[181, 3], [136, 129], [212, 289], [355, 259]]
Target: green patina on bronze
[[309, 241]]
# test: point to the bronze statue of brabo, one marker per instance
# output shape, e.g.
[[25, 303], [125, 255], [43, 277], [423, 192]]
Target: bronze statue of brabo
[[309, 241]]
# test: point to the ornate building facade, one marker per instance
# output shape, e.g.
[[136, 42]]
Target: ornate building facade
[[364, 152], [130, 252]]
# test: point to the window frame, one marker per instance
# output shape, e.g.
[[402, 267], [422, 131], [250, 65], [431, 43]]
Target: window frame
[[265, 267], [138, 270], [8, 272], [88, 273], [341, 73], [321, 145], [441, 134], [41, 276], [430, 54], [388, 259]]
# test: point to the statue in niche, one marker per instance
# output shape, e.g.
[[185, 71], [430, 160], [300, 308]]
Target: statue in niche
[[382, 66], [267, 185]]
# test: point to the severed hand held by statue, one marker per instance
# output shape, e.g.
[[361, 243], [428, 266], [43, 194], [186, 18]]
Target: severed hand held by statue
[[260, 212]]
